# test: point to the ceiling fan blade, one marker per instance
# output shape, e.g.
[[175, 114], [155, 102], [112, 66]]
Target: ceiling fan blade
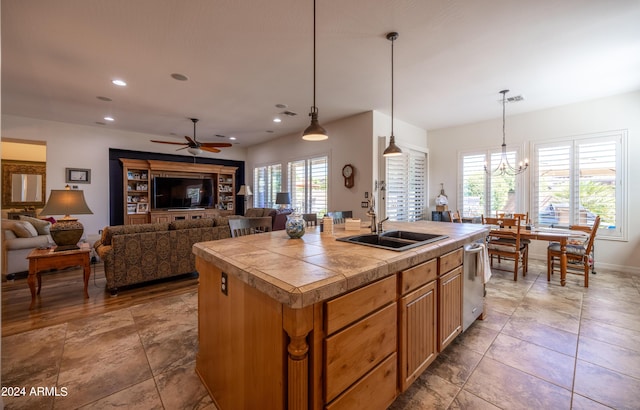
[[191, 141], [216, 144], [169, 142], [210, 149], [185, 147]]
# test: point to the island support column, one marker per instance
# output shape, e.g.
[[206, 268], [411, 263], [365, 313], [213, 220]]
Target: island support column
[[298, 323]]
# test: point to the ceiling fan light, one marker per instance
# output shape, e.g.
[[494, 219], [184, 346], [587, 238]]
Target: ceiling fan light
[[392, 150], [314, 131], [194, 150]]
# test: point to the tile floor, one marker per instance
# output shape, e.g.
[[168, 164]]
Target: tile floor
[[541, 346]]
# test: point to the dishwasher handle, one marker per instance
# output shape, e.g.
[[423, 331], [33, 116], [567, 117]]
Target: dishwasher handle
[[473, 248]]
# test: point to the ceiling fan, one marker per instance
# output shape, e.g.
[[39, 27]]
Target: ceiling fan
[[194, 146]]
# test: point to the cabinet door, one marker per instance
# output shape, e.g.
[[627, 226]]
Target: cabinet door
[[418, 333], [137, 219], [450, 307]]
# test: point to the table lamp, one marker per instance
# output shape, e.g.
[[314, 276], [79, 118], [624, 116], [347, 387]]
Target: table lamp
[[282, 199], [245, 190], [66, 232]]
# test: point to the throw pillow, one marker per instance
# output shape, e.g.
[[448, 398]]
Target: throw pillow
[[50, 219], [22, 229], [43, 227]]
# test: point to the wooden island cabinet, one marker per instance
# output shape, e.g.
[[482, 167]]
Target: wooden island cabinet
[[318, 324]]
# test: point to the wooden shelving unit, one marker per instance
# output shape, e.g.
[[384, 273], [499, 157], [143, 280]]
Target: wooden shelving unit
[[226, 192], [136, 191], [138, 180]]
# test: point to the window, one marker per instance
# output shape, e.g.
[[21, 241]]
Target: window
[[579, 178], [405, 192], [485, 193], [308, 185], [268, 182]]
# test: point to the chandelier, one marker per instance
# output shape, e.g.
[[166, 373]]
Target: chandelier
[[504, 167]]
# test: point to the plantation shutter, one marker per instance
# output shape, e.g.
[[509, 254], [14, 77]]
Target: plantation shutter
[[473, 185], [405, 189], [268, 182], [308, 179]]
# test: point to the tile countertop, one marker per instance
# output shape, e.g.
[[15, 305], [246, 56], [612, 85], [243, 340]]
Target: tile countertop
[[301, 272]]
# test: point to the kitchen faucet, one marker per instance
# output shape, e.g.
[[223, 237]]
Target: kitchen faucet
[[372, 214], [380, 230]]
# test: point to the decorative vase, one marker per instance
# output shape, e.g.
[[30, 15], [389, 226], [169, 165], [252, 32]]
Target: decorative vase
[[295, 225]]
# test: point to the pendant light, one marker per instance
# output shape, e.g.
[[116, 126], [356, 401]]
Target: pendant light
[[392, 150], [504, 167], [314, 132]]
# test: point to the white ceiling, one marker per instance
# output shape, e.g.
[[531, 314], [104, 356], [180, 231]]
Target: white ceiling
[[242, 57]]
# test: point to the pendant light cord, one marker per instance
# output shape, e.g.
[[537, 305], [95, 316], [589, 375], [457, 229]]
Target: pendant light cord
[[392, 41], [504, 96], [314, 55]]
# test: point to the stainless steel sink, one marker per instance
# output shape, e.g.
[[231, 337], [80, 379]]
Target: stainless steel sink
[[394, 240], [414, 236]]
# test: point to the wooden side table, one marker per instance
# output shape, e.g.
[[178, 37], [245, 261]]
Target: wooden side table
[[45, 259]]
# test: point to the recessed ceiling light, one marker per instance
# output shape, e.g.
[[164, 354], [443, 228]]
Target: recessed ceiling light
[[179, 77], [232, 138], [277, 119], [107, 118], [104, 98], [119, 83]]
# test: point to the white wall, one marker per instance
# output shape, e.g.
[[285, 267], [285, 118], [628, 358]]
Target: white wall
[[611, 113], [76, 146], [352, 140], [349, 143], [406, 135]]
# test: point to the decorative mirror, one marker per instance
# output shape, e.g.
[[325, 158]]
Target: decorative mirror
[[23, 184]]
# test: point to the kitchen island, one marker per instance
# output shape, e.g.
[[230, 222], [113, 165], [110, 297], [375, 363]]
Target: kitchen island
[[317, 323]]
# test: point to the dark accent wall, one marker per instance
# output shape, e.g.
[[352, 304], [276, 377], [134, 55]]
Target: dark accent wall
[[116, 189]]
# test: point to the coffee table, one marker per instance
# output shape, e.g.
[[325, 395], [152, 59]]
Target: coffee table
[[46, 259]]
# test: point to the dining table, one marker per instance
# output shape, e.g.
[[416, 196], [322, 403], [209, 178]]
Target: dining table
[[560, 235]]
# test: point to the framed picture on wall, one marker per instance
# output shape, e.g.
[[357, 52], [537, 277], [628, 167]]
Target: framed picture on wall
[[77, 176]]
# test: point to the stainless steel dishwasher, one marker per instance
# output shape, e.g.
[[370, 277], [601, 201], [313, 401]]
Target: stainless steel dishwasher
[[473, 296]]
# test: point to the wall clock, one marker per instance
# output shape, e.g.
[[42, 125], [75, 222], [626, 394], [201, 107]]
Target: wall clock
[[347, 173]]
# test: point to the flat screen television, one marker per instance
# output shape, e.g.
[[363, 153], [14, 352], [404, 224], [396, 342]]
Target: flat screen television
[[182, 193]]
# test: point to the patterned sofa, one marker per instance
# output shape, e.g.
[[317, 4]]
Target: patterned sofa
[[135, 254]]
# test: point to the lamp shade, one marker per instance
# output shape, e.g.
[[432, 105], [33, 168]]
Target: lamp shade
[[67, 231], [283, 198], [66, 202], [244, 190], [392, 150]]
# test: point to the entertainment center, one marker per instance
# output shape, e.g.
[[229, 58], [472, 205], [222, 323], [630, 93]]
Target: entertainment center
[[164, 191]]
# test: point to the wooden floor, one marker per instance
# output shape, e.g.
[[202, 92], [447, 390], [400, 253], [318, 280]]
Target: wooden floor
[[61, 298]]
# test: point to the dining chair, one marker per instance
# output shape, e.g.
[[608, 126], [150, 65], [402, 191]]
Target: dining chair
[[523, 216], [347, 214], [338, 218], [310, 219], [249, 226], [580, 256], [454, 216], [508, 244]]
